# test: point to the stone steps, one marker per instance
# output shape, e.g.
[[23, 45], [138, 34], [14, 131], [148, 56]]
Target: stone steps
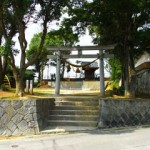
[[74, 112], [76, 103], [7, 82], [72, 123], [73, 117], [70, 107]]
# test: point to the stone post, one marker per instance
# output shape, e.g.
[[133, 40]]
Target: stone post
[[27, 86], [31, 87]]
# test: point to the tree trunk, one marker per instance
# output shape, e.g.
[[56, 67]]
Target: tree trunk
[[126, 82], [132, 76], [1, 72], [3, 66], [39, 74], [19, 79], [129, 75], [42, 73], [1, 79], [125, 69], [19, 87]]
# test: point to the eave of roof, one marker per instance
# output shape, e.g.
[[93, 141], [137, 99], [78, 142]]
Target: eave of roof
[[143, 66]]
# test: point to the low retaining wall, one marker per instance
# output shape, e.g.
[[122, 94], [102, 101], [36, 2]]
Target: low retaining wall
[[121, 113], [23, 117], [78, 85], [26, 117]]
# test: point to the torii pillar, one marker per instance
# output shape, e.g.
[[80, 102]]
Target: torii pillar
[[57, 85], [101, 56], [102, 82]]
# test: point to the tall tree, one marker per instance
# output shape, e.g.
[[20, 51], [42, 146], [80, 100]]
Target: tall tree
[[60, 37], [41, 61], [116, 22], [123, 21], [7, 31], [22, 13]]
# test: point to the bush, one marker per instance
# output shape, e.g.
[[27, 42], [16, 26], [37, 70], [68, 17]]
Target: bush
[[115, 88], [118, 91]]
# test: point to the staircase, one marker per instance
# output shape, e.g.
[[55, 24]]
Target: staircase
[[74, 113], [7, 82]]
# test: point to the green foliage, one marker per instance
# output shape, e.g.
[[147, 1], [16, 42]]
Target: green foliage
[[115, 22], [115, 74], [1, 50], [33, 49], [29, 75], [15, 18], [61, 37], [142, 40], [7, 48], [115, 71], [117, 90], [111, 21]]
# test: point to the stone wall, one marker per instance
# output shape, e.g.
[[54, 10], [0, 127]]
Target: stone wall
[[91, 85], [26, 117], [121, 113], [23, 117], [143, 82]]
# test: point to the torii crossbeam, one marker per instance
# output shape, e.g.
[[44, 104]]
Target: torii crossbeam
[[101, 56]]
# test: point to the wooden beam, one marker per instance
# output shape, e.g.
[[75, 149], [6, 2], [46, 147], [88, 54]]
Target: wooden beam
[[76, 48]]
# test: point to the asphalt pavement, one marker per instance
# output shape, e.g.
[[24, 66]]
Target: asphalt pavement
[[113, 139]]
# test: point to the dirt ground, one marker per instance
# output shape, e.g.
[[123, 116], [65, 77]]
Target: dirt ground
[[6, 93], [50, 92], [46, 93]]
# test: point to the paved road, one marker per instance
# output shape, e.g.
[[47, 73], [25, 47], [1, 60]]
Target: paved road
[[126, 139]]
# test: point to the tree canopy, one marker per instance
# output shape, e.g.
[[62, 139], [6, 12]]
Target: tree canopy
[[124, 23], [60, 37], [14, 17]]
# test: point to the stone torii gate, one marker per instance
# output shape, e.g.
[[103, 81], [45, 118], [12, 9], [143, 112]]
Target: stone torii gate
[[101, 56]]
